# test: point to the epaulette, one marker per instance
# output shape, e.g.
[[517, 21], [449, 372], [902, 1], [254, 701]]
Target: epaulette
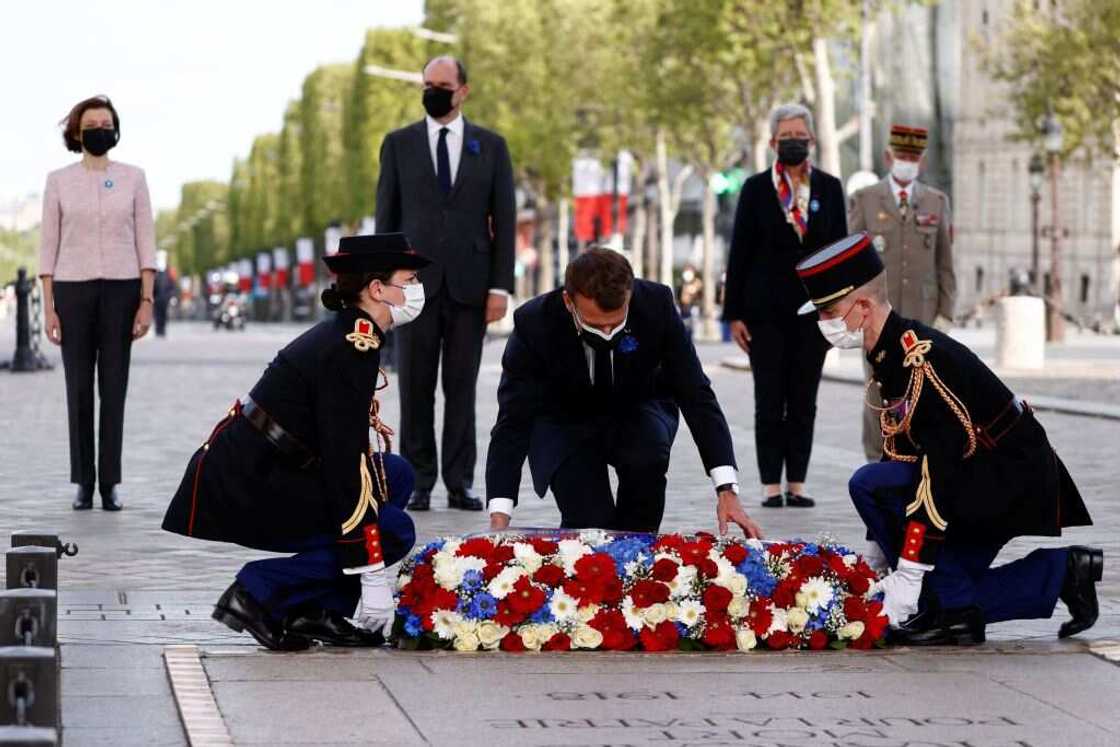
[[362, 337], [914, 350]]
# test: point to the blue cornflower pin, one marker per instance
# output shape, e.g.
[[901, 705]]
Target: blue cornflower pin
[[474, 147], [628, 344], [109, 183], [814, 205]]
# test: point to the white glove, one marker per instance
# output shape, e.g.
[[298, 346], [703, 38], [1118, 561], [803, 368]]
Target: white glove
[[876, 558], [901, 590], [376, 609]]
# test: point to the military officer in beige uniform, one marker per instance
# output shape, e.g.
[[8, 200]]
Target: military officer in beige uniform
[[910, 226]]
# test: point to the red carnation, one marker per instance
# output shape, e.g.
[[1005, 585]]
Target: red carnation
[[543, 546], [502, 554], [558, 642], [809, 565], [525, 598], [442, 599], [736, 553], [760, 617], [596, 567], [478, 547], [512, 642], [582, 591], [716, 599], [662, 638], [857, 583], [864, 642], [855, 609], [619, 639], [668, 542], [607, 619], [818, 641], [781, 640], [785, 593], [719, 634], [550, 575], [492, 569], [665, 570], [708, 568], [875, 625], [645, 593], [506, 615], [777, 548], [838, 566]]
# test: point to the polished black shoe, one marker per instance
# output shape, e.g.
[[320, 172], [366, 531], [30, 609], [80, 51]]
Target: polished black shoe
[[774, 501], [421, 500], [331, 628], [238, 610], [1084, 568], [110, 501], [464, 500], [963, 626], [799, 501], [83, 500]]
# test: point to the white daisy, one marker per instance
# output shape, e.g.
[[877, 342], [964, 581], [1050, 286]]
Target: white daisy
[[818, 594], [632, 615], [563, 606], [527, 556], [444, 623], [502, 584], [689, 612]]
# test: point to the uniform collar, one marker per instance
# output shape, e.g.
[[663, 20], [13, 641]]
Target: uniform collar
[[887, 353]]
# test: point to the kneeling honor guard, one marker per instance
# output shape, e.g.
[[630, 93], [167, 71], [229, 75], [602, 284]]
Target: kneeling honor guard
[[291, 469], [967, 468]]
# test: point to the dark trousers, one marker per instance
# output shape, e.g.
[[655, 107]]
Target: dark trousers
[[637, 445], [787, 356], [159, 313], [454, 332], [96, 318], [313, 578], [1020, 590]]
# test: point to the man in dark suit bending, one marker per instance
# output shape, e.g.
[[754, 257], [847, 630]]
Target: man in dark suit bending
[[594, 376], [448, 185]]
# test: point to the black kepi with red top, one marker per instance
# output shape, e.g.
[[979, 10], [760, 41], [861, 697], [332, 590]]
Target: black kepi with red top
[[836, 270], [378, 252]]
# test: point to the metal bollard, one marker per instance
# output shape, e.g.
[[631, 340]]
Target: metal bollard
[[28, 736], [29, 686], [43, 538], [32, 567], [27, 356], [28, 617]]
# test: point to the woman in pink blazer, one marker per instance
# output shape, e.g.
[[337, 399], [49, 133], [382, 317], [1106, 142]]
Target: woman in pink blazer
[[97, 262]]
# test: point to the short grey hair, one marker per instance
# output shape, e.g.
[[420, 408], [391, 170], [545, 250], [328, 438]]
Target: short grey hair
[[791, 111]]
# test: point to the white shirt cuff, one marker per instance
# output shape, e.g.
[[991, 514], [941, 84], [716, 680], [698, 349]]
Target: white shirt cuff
[[501, 292], [500, 506], [363, 569], [723, 475]]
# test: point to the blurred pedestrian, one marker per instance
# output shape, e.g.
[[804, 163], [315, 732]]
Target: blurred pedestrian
[[784, 214], [448, 184], [97, 263], [163, 292], [911, 228], [689, 293]]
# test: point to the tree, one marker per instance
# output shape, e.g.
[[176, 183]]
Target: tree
[[236, 211], [262, 205], [292, 205], [323, 164], [203, 230]]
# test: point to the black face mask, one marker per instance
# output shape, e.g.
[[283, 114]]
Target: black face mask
[[98, 140], [793, 151], [437, 102]]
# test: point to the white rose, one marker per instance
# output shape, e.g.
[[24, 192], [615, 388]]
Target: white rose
[[465, 627], [490, 634], [527, 556], [570, 551], [671, 610], [586, 636], [587, 612], [778, 623], [466, 642], [530, 636], [852, 630], [797, 619], [737, 585], [655, 614], [448, 576], [739, 607], [745, 639]]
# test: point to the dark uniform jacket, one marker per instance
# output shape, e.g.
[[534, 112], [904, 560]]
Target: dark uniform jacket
[[1013, 484], [761, 282], [546, 395], [470, 232], [239, 487]]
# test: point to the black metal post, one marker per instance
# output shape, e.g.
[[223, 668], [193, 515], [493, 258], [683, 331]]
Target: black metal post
[[1036, 287]]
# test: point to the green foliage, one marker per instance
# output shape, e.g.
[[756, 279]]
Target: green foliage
[[322, 166], [202, 230], [260, 211], [291, 200], [18, 249]]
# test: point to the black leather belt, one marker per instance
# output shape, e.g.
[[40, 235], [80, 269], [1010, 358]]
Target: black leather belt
[[992, 433], [284, 442]]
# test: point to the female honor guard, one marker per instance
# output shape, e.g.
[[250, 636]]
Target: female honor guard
[[290, 468], [967, 468]]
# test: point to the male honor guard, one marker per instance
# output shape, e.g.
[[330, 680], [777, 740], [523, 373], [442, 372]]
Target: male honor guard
[[910, 226], [968, 468]]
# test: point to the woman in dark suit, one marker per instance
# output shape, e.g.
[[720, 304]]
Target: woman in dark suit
[[785, 213]]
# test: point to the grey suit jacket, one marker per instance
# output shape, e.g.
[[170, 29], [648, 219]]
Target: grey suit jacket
[[470, 232]]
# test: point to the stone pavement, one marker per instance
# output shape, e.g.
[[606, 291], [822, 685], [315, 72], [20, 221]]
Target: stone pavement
[[134, 589]]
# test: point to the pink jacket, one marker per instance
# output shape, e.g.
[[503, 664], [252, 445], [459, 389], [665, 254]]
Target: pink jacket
[[97, 224]]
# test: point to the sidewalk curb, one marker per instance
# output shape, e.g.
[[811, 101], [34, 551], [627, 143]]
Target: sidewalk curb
[[1079, 408]]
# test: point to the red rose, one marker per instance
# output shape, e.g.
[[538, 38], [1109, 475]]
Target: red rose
[[512, 642], [492, 569], [558, 642], [645, 593], [619, 639], [693, 552], [836, 563], [595, 568], [785, 593], [716, 599], [583, 592], [506, 615], [875, 625], [662, 638], [607, 619], [502, 554], [719, 635], [855, 609], [442, 599], [781, 640], [777, 548], [477, 547], [665, 570], [610, 591], [543, 546], [864, 642], [550, 575], [809, 565], [409, 597], [760, 617], [668, 542], [818, 641], [525, 598], [708, 568], [857, 583], [736, 553]]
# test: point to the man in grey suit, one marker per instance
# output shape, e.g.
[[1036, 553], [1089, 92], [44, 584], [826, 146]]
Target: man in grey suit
[[448, 185]]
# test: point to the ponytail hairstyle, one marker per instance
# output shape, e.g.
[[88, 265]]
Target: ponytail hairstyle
[[347, 288]]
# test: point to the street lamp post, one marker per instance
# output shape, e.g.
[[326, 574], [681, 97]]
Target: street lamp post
[[1036, 169], [1052, 132]]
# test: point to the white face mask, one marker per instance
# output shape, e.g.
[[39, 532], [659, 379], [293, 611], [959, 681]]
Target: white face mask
[[838, 335], [904, 171], [581, 326], [412, 306]]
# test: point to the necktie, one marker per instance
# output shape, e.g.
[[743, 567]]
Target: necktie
[[903, 202], [443, 162], [602, 371]]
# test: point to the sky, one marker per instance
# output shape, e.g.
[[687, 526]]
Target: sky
[[194, 82]]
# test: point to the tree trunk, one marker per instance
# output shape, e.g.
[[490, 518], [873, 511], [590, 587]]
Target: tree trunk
[[652, 233], [546, 279], [561, 239], [638, 237], [709, 329], [828, 145], [669, 200], [762, 144]]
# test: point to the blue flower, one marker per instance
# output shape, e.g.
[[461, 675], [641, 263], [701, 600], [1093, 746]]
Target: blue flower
[[474, 146], [482, 607], [472, 581], [627, 549], [543, 613], [628, 344], [759, 578], [412, 625]]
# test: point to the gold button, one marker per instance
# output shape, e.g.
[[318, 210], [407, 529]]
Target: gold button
[[206, 447]]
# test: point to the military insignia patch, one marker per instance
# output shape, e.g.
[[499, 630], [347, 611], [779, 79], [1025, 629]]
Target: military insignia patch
[[362, 337], [915, 349], [882, 354]]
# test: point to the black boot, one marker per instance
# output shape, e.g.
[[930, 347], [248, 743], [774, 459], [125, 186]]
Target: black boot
[[83, 500], [421, 500], [1084, 568], [330, 627], [110, 501], [237, 609], [963, 626], [464, 499]]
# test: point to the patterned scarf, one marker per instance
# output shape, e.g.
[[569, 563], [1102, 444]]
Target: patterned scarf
[[793, 205]]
